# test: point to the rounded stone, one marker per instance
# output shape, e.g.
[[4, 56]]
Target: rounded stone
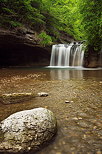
[[27, 130], [43, 94]]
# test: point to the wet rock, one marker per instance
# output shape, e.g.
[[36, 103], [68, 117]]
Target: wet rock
[[75, 118], [27, 130], [42, 94], [12, 98], [83, 124], [68, 101], [82, 114], [71, 101]]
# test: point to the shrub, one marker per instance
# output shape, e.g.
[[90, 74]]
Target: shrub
[[45, 39]]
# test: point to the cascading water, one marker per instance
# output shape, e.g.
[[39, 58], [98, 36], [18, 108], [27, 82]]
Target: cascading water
[[67, 55]]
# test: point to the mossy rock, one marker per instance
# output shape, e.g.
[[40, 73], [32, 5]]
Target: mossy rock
[[13, 98]]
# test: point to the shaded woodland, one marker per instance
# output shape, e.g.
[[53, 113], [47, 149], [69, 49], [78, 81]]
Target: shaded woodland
[[80, 19]]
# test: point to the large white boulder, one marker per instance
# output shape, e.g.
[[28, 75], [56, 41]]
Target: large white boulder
[[27, 130]]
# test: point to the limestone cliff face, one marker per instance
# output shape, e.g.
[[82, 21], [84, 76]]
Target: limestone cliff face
[[22, 47], [93, 59]]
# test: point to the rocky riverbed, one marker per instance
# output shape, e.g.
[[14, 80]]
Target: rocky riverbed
[[76, 103]]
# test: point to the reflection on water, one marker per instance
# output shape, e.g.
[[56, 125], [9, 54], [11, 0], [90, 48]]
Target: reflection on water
[[74, 73], [65, 74], [51, 73]]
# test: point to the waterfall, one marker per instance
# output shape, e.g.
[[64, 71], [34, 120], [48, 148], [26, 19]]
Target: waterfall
[[67, 55]]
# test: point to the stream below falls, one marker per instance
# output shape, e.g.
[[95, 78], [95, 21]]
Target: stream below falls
[[79, 121]]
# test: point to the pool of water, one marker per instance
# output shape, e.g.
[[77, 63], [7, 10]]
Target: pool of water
[[79, 122], [54, 73]]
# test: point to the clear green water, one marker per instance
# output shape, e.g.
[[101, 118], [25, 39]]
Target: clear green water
[[79, 122]]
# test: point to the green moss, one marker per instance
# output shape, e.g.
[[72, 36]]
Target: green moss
[[45, 39], [15, 98]]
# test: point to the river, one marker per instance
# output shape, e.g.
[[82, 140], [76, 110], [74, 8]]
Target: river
[[79, 121]]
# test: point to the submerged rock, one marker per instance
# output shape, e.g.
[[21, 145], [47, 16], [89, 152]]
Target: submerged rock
[[42, 94], [67, 101], [15, 97], [27, 130]]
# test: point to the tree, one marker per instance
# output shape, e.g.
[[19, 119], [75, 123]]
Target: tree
[[80, 18], [17, 12], [91, 14]]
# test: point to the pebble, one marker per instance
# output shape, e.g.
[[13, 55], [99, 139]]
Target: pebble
[[46, 107], [68, 101], [84, 136], [83, 124], [80, 118], [98, 152], [82, 114], [75, 118], [43, 94]]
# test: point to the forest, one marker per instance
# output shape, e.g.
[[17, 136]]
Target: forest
[[51, 100], [81, 19]]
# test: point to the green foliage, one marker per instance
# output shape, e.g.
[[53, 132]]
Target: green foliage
[[21, 11], [91, 15], [82, 19], [45, 39]]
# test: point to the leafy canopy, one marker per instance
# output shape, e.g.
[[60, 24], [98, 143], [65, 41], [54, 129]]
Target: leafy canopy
[[80, 18]]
